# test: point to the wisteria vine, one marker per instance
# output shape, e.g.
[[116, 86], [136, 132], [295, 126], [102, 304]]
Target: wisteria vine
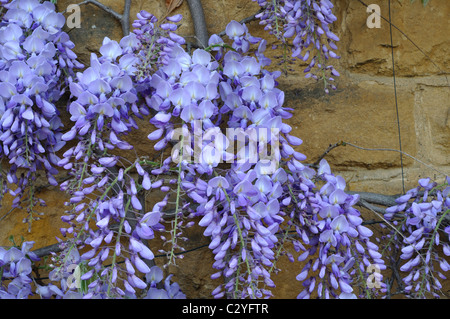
[[233, 167]]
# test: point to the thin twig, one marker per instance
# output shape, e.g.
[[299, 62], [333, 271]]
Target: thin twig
[[343, 143], [124, 18], [394, 150], [328, 150], [105, 8], [9, 212]]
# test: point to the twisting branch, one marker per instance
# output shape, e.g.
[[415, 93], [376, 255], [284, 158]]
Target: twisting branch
[[123, 18], [198, 19], [45, 251], [377, 199]]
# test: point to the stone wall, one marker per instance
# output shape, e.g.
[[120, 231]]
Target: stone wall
[[361, 111]]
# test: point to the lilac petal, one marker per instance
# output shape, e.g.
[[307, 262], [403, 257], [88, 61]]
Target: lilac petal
[[155, 275], [234, 29], [156, 135], [444, 265], [110, 49], [103, 222], [263, 231], [324, 167], [329, 211], [403, 199], [180, 97], [201, 57], [251, 93], [218, 181], [141, 265], [128, 287], [138, 283], [123, 83], [146, 253], [28, 114], [151, 218], [175, 18], [338, 197], [70, 135], [364, 231], [340, 224], [136, 203], [302, 276], [233, 69], [108, 161], [345, 287], [162, 117], [190, 113], [144, 231], [206, 220], [89, 254], [97, 169], [146, 182], [96, 242]]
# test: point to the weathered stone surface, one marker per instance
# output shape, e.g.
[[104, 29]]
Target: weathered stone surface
[[43, 231], [432, 113], [368, 51], [362, 113]]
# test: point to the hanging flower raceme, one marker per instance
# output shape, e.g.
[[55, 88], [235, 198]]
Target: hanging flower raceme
[[331, 227], [154, 42], [308, 23], [107, 212], [421, 216], [36, 63], [236, 203]]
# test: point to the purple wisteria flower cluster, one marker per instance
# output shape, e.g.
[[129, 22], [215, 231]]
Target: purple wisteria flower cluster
[[234, 167], [423, 213], [155, 42], [338, 245], [107, 213], [15, 271], [308, 23], [243, 204], [36, 66]]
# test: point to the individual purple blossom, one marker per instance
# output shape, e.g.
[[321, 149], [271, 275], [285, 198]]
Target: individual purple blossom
[[170, 290]]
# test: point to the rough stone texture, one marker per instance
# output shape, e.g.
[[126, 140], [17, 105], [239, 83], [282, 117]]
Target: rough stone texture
[[322, 120], [362, 111], [369, 50]]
